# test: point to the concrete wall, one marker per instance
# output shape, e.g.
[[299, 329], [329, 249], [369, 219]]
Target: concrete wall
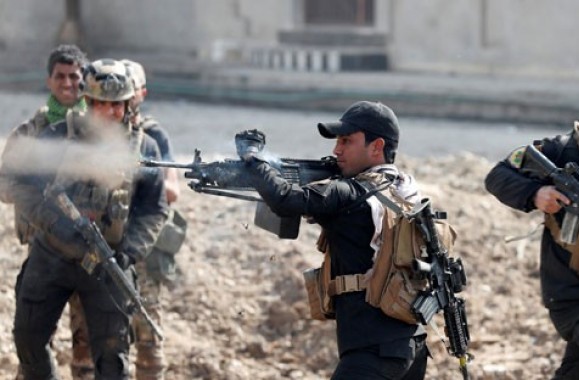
[[520, 37], [27, 32], [174, 30]]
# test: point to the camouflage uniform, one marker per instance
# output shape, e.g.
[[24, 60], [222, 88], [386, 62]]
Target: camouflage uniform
[[158, 268]]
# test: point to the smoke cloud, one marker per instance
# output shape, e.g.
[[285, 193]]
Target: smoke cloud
[[101, 154]]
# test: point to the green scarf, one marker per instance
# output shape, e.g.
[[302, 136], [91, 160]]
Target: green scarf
[[57, 111]]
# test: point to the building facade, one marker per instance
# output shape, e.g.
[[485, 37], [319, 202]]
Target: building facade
[[516, 37]]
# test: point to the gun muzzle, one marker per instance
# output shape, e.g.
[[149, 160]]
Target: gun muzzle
[[420, 266]]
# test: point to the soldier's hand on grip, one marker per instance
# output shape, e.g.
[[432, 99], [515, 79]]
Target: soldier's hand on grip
[[549, 200], [74, 245]]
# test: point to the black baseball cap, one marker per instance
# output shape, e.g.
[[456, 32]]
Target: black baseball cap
[[373, 117]]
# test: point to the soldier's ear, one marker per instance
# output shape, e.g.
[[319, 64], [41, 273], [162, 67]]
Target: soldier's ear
[[378, 146]]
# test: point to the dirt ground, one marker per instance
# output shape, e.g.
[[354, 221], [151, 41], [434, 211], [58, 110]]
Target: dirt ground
[[238, 309]]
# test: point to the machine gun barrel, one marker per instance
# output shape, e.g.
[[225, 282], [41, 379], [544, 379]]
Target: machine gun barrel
[[230, 178]]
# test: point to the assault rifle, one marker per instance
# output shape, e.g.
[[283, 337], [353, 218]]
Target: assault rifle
[[446, 277], [101, 254], [536, 163], [229, 178]]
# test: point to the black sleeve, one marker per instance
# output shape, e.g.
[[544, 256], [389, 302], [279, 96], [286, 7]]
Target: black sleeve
[[149, 207], [514, 188], [318, 200], [161, 136]]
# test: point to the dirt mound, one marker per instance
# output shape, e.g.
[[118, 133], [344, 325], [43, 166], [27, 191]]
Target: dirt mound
[[238, 310]]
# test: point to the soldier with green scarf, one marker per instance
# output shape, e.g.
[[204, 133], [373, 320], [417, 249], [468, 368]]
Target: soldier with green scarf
[[64, 66]]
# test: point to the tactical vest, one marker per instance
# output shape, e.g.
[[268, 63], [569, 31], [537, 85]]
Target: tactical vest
[[390, 284], [109, 208]]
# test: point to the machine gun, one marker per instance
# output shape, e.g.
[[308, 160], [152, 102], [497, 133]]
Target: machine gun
[[536, 163], [101, 254], [229, 178], [446, 277]]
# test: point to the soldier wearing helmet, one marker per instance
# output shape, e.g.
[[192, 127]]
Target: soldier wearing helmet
[[160, 266], [108, 88], [127, 204]]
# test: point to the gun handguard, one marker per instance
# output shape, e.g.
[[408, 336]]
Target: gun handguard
[[101, 253]]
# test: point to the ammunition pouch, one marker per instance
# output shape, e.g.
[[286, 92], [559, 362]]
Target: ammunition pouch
[[118, 213], [317, 282], [391, 284], [161, 264]]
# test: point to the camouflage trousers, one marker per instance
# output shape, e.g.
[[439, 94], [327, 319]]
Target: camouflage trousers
[[150, 363], [150, 359]]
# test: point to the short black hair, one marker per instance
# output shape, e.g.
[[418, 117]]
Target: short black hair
[[390, 146], [66, 54]]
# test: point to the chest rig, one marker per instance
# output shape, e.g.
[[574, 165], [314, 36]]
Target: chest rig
[[391, 283], [108, 207]]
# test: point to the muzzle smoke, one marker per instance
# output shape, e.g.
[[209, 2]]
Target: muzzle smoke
[[101, 154]]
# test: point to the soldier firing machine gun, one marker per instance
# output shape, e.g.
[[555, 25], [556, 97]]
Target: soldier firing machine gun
[[228, 178], [445, 275]]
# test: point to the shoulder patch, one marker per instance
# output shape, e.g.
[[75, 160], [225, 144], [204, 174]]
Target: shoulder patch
[[516, 157]]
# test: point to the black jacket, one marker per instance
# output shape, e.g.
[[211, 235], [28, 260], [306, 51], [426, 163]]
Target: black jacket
[[559, 283], [349, 233]]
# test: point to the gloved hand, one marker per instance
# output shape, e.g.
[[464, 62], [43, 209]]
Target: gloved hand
[[124, 260], [249, 144], [72, 244]]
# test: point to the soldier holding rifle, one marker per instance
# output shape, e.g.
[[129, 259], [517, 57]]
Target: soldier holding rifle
[[543, 177], [128, 207], [371, 344]]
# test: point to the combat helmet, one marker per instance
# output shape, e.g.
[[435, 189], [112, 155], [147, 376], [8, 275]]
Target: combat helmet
[[107, 80], [136, 72]]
